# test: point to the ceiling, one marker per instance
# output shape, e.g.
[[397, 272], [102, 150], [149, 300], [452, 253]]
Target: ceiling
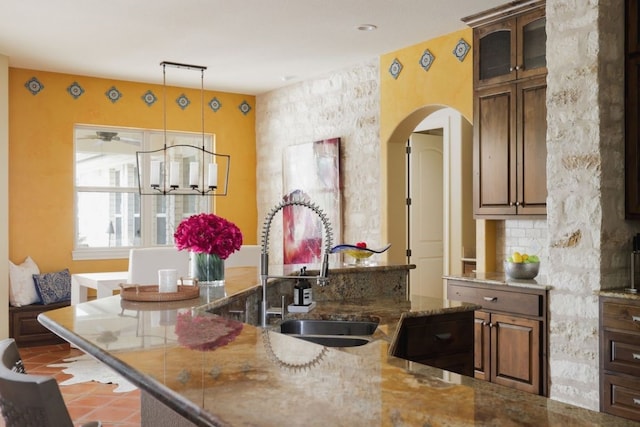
[[248, 46]]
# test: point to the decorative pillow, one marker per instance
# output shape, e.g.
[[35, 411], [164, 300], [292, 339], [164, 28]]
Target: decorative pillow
[[22, 290], [53, 287]]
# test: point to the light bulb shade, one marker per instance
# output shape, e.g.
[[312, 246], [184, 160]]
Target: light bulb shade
[[182, 170]]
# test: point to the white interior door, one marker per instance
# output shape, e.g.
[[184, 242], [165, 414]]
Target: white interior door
[[426, 214]]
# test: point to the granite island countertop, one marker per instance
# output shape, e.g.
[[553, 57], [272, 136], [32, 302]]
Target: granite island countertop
[[261, 377]]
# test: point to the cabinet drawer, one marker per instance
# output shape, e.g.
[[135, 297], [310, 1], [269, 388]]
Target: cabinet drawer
[[432, 336], [622, 352], [498, 300], [621, 396], [621, 316]]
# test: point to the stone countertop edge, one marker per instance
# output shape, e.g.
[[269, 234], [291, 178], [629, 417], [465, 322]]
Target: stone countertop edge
[[619, 293], [499, 279]]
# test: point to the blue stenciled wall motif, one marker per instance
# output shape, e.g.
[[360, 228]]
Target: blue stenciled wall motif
[[395, 69], [113, 94], [149, 98], [34, 86], [182, 101], [244, 107], [215, 104], [75, 90]]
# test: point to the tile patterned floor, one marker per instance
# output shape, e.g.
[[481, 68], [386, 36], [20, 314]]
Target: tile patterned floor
[[90, 401]]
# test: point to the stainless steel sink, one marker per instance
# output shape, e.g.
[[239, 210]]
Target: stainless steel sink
[[327, 327], [330, 333], [337, 341]]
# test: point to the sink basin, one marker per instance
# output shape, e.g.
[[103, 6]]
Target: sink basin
[[330, 333], [327, 327], [336, 341]]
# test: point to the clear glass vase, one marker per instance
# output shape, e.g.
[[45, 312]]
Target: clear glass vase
[[207, 268]]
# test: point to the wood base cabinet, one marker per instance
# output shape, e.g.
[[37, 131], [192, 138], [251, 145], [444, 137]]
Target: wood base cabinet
[[510, 334], [620, 356]]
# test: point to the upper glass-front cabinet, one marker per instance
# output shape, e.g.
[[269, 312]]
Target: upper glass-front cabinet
[[511, 49]]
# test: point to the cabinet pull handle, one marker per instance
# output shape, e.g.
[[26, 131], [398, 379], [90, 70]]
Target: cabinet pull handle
[[636, 356], [490, 299], [446, 337], [635, 318], [636, 401]]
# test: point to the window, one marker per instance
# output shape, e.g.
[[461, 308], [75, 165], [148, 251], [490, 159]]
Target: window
[[111, 217]]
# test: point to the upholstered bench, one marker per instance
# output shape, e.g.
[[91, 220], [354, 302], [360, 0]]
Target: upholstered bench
[[25, 328]]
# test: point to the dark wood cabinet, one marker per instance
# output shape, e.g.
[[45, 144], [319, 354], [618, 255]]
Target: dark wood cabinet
[[510, 337], [509, 176], [509, 43], [444, 341], [632, 111], [25, 328], [620, 356]]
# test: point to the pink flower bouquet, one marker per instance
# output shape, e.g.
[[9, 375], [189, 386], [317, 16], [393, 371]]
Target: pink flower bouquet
[[208, 233]]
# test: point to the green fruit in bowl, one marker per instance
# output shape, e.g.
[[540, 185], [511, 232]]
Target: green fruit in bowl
[[533, 258]]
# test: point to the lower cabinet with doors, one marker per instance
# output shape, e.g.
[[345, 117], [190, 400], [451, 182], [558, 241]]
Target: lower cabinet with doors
[[620, 354], [510, 333]]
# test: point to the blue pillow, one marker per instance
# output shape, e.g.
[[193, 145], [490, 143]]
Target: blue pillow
[[53, 287]]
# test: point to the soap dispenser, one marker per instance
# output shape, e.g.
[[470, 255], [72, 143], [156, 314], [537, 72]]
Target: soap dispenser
[[302, 292]]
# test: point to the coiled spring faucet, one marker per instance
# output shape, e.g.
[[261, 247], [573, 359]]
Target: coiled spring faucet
[[321, 279]]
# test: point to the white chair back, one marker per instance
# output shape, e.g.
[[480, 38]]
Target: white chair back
[[144, 264], [247, 256]]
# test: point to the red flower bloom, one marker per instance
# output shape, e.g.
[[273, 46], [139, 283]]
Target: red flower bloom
[[208, 233]]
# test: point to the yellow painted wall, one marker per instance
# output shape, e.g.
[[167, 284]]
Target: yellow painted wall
[[41, 199], [448, 82], [404, 103]]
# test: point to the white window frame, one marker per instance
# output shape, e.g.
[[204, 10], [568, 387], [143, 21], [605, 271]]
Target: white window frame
[[146, 202]]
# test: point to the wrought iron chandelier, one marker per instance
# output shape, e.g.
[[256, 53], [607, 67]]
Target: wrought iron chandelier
[[182, 169]]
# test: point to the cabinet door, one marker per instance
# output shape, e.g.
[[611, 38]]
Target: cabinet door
[[515, 352], [531, 54], [532, 147], [494, 161], [482, 345], [495, 53]]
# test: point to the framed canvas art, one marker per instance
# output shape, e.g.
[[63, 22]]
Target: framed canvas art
[[311, 170]]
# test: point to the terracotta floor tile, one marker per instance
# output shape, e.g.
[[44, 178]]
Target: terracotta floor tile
[[109, 414]]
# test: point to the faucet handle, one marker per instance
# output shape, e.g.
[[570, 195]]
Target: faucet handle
[[322, 281]]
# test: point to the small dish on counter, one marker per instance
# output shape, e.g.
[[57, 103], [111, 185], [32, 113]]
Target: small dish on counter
[[360, 254]]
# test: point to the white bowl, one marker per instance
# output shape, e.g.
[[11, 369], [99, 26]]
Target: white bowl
[[521, 270]]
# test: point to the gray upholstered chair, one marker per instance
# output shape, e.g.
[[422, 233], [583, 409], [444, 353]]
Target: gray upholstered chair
[[30, 400]]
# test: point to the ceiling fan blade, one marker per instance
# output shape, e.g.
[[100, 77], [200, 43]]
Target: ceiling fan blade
[[128, 140]]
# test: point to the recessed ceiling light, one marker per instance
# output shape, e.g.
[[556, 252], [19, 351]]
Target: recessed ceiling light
[[367, 27]]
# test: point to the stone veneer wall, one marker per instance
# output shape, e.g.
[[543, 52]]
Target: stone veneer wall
[[344, 104], [588, 236]]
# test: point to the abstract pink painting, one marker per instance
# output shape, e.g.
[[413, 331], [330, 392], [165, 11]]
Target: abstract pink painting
[[311, 170]]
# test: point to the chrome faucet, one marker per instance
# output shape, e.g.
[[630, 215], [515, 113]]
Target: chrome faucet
[[321, 279]]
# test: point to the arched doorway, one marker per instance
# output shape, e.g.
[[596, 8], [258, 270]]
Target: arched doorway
[[457, 232]]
